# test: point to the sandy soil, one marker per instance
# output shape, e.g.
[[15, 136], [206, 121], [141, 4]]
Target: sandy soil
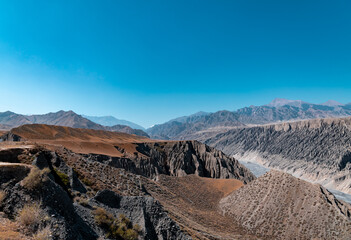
[[80, 140], [192, 201], [10, 230]]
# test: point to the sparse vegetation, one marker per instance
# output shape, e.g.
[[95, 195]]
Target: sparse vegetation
[[31, 216], [87, 182], [2, 196], [64, 177], [116, 228], [82, 201], [35, 178], [44, 234]]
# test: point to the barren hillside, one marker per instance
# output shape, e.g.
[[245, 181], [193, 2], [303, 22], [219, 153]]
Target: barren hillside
[[77, 139], [318, 150], [280, 206]]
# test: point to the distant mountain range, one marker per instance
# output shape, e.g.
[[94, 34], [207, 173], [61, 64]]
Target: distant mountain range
[[112, 121], [10, 120], [200, 126], [279, 110], [176, 129]]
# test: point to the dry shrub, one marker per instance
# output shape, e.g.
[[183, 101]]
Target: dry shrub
[[84, 202], [116, 228], [103, 218], [31, 216], [64, 177], [44, 234], [35, 178], [2, 196]]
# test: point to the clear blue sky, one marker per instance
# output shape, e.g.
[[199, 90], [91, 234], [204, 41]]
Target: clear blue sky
[[150, 61]]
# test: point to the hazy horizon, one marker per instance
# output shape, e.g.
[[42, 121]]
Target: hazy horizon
[[146, 127]]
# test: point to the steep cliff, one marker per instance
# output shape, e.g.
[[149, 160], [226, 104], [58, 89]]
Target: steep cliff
[[178, 158], [318, 150]]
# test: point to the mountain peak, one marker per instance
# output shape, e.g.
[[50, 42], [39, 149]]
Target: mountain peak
[[332, 103], [111, 121], [279, 102]]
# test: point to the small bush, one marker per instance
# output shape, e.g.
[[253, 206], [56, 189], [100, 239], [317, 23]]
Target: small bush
[[84, 202], [35, 178], [116, 228], [130, 234], [31, 216], [103, 219], [44, 234], [2, 196], [64, 177], [87, 182]]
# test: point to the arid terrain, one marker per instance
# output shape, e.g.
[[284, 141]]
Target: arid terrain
[[76, 139], [316, 150], [139, 170], [175, 120], [170, 189], [284, 207]]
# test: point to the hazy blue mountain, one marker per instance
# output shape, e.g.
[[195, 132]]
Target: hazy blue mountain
[[183, 128], [279, 110], [10, 120], [112, 121], [332, 103], [190, 118]]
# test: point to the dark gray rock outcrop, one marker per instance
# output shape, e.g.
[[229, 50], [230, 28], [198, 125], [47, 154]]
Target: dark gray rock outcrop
[[9, 136], [69, 206], [179, 159], [144, 211], [64, 222]]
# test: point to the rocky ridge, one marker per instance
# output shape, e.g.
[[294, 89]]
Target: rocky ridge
[[71, 205], [178, 158], [128, 182], [316, 150], [280, 206], [138, 155]]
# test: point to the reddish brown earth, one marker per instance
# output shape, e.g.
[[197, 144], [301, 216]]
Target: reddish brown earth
[[79, 140], [10, 230], [193, 202]]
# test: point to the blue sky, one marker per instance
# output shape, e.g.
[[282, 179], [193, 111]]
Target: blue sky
[[150, 61]]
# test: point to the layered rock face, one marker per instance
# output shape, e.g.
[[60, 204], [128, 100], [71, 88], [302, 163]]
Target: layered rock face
[[144, 211], [318, 150], [280, 206], [179, 158], [70, 204]]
